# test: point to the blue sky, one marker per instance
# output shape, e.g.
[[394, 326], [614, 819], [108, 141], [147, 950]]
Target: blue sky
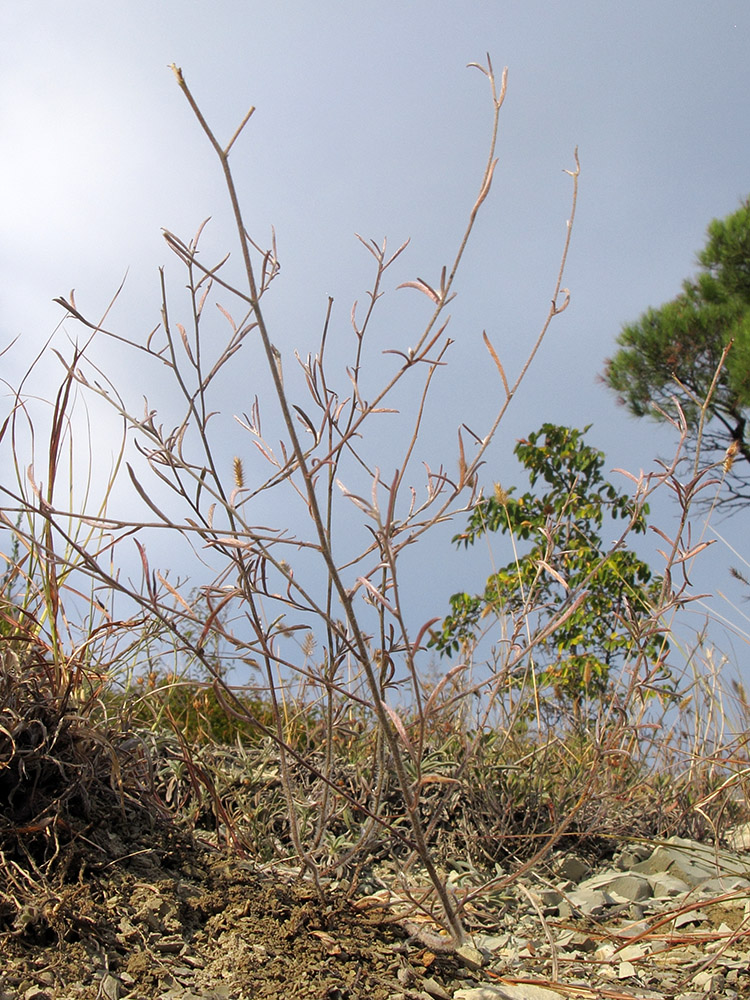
[[369, 122]]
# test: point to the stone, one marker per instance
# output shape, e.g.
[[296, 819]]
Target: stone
[[110, 988], [666, 885], [725, 932], [632, 855], [692, 862], [738, 838], [708, 980], [634, 929], [723, 884], [581, 942], [574, 868], [590, 902], [625, 970], [548, 898], [472, 957], [633, 952], [508, 991], [696, 916], [406, 975], [634, 888], [491, 942], [604, 952], [627, 885], [433, 988]]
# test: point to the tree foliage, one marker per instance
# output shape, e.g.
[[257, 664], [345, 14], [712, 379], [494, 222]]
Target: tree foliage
[[672, 353], [564, 525]]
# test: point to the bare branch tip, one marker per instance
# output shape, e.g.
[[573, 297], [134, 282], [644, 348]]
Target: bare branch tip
[[178, 74], [577, 171]]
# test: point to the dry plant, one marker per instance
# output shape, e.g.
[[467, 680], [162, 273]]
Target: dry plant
[[66, 767], [314, 586], [361, 747]]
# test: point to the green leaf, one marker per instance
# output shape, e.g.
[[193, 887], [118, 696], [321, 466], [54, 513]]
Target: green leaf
[[566, 552]]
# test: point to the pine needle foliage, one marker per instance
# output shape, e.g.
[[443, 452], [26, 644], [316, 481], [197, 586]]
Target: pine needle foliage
[[669, 357]]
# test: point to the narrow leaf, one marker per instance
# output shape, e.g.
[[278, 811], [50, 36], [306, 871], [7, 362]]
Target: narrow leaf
[[441, 684], [422, 286], [553, 572], [185, 344], [213, 616], [374, 592], [144, 496], [437, 779], [396, 254], [231, 541], [415, 646], [224, 313], [462, 467], [401, 730], [177, 596], [306, 420], [496, 359], [485, 189], [661, 534], [267, 455]]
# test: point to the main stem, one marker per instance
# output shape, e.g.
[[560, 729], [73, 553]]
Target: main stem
[[449, 910]]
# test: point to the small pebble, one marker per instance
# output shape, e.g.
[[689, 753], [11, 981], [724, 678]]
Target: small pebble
[[472, 957]]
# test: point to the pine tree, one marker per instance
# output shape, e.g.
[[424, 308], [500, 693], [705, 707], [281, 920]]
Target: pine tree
[[672, 353]]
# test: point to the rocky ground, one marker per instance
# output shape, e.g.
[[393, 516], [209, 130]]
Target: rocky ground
[[175, 920]]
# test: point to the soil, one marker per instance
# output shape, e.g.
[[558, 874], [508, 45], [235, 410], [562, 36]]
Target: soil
[[151, 913], [108, 896], [179, 921]]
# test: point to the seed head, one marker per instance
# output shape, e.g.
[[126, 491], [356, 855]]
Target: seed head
[[729, 457], [501, 496]]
